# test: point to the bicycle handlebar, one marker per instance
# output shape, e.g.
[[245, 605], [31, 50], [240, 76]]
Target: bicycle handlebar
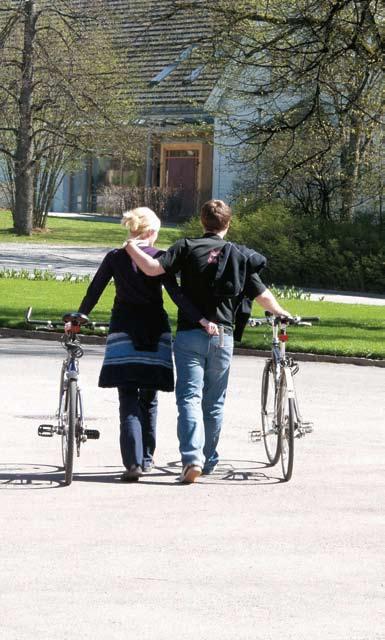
[[271, 319], [68, 317]]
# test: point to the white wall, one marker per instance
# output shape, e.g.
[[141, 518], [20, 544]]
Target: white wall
[[235, 112], [226, 170]]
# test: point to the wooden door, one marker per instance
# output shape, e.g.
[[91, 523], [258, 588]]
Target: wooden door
[[181, 177]]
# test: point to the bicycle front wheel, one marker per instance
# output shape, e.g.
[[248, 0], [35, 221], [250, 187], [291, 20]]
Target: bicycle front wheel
[[286, 412], [68, 433], [269, 426]]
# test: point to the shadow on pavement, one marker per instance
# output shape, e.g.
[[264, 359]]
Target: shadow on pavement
[[16, 476], [21, 476]]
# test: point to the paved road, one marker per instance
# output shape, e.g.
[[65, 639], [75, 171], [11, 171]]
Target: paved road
[[61, 259], [238, 555]]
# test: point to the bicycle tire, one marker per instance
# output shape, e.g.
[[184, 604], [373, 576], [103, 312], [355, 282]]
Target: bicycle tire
[[270, 432], [79, 420], [69, 426], [286, 412]]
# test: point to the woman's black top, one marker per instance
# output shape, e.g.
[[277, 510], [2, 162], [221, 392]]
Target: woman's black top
[[138, 304]]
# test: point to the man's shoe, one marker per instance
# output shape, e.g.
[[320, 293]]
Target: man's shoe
[[148, 467], [132, 474], [190, 473]]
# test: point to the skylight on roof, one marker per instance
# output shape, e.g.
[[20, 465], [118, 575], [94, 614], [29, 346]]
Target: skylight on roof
[[193, 75], [166, 71], [163, 74]]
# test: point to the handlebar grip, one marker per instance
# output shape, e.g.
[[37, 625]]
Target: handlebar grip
[[309, 319]]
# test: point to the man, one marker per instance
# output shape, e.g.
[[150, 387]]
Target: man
[[216, 276]]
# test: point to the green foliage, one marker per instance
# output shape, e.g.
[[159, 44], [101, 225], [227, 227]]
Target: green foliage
[[192, 228], [305, 253], [310, 77], [308, 253]]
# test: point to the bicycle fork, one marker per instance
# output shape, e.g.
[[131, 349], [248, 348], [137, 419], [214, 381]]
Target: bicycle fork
[[301, 427]]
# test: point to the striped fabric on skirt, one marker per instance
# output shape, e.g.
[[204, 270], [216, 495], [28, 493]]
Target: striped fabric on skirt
[[123, 364]]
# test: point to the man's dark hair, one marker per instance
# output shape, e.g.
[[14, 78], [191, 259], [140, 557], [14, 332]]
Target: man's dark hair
[[215, 215]]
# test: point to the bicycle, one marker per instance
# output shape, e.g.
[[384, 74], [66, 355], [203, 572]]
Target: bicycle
[[70, 414], [281, 418]]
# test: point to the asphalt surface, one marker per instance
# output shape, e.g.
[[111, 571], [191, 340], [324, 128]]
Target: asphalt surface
[[240, 554]]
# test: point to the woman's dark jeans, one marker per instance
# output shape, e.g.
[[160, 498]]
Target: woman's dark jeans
[[138, 412]]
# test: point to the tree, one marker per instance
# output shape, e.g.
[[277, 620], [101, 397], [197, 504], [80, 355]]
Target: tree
[[292, 63], [62, 97]]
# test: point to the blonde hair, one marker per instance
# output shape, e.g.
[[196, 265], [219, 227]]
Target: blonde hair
[[141, 221]]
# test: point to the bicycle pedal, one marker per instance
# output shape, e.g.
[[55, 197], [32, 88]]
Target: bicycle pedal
[[46, 430], [307, 427], [303, 428], [92, 434], [255, 435]]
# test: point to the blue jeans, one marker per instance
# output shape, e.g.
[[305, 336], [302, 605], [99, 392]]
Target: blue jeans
[[202, 369], [138, 412]]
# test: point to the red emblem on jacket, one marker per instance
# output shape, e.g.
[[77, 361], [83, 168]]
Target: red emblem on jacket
[[213, 256]]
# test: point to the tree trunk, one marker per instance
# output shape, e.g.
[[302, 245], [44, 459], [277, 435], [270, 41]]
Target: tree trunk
[[23, 210], [350, 163]]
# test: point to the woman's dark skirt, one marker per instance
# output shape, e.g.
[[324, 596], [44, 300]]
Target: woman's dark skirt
[[123, 364]]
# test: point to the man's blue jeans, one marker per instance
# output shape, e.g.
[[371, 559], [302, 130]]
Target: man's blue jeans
[[202, 368]]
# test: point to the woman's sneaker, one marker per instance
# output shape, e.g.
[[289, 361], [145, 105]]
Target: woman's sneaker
[[207, 471], [132, 474], [190, 473]]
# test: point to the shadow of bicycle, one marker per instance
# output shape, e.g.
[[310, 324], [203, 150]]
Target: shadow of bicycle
[[21, 476]]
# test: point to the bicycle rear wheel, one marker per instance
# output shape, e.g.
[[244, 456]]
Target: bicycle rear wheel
[[68, 433], [269, 426], [286, 412]]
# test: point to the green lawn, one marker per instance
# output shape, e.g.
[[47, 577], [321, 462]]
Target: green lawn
[[79, 232], [350, 330]]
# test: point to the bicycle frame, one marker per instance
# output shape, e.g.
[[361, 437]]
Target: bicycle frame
[[70, 371]]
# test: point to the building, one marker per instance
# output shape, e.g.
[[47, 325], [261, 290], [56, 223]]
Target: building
[[174, 82]]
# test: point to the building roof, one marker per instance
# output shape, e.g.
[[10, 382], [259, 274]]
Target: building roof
[[166, 50]]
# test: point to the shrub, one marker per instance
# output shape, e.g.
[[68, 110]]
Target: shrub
[[306, 253], [167, 203]]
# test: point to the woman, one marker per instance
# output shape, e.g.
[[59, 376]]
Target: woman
[[138, 357]]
